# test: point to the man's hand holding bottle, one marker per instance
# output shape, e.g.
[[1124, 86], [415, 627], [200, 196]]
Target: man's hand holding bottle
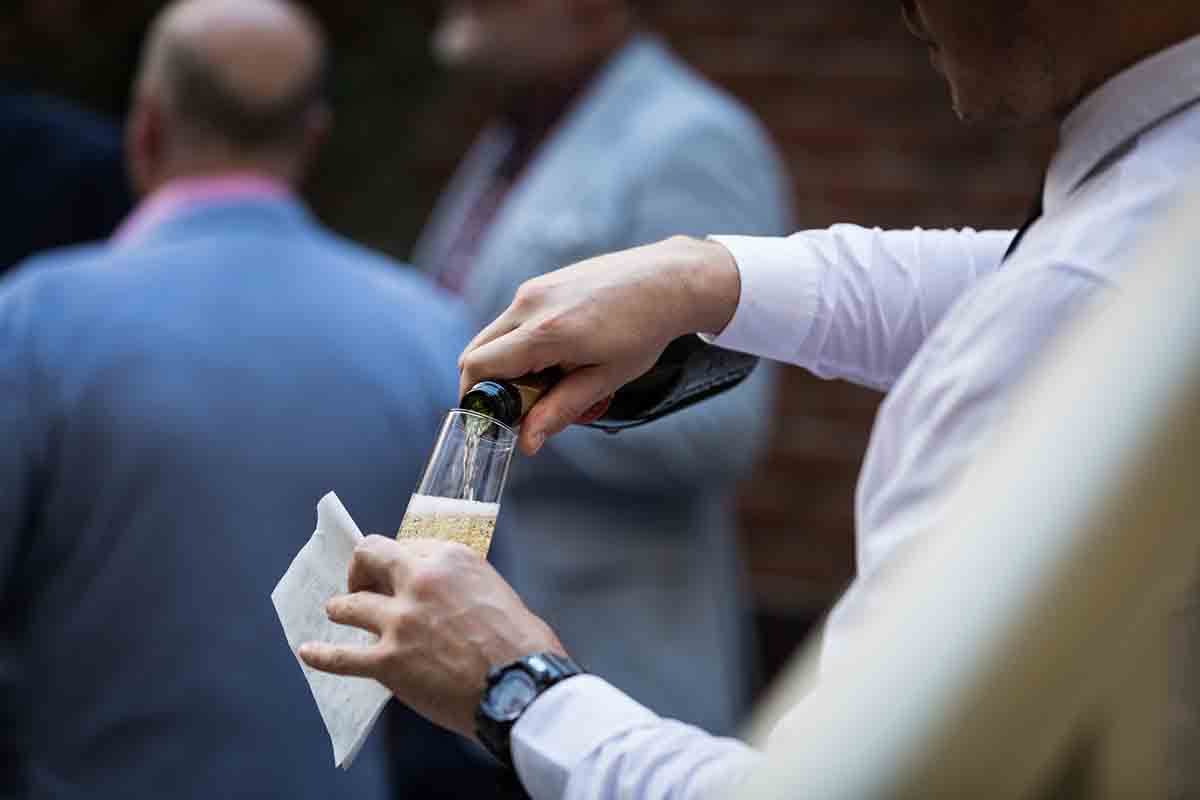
[[604, 322]]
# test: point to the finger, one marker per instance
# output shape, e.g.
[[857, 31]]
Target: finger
[[569, 400], [510, 356], [376, 563], [505, 323], [595, 412], [366, 610], [364, 662]]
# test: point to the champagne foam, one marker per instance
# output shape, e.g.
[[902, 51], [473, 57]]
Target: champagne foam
[[426, 504]]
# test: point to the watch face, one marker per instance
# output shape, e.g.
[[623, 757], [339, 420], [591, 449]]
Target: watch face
[[508, 698]]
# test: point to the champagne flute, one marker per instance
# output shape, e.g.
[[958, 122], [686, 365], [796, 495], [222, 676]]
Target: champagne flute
[[458, 497]]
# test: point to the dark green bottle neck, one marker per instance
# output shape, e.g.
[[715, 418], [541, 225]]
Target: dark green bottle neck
[[494, 399]]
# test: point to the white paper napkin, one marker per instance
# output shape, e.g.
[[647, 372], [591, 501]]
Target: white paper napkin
[[349, 706]]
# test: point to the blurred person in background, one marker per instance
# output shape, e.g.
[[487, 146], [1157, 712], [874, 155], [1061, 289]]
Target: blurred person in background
[[176, 401], [64, 174], [947, 322], [626, 544]]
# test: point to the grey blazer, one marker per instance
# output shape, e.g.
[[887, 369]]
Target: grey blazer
[[172, 411], [626, 543]]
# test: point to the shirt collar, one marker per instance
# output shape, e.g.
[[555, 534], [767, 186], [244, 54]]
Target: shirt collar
[[1111, 117], [186, 194]]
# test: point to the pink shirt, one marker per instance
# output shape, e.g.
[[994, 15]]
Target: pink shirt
[[185, 194]]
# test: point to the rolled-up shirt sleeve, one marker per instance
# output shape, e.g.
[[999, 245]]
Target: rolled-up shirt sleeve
[[850, 302], [585, 740]]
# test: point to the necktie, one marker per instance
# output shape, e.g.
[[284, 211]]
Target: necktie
[[464, 247], [1035, 213]]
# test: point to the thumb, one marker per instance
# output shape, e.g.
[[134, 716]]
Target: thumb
[[570, 399]]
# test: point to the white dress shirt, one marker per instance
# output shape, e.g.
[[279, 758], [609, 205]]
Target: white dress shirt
[[939, 322]]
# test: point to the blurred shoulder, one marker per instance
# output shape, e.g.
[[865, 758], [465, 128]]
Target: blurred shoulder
[[693, 157], [679, 103], [42, 294], [392, 283], [1112, 213], [44, 272]]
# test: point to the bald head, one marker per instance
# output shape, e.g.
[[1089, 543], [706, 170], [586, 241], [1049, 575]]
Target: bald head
[[229, 84]]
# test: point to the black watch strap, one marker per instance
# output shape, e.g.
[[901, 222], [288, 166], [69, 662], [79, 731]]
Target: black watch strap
[[545, 670]]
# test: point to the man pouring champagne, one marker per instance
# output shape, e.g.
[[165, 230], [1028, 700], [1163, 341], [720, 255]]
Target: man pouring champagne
[[947, 322]]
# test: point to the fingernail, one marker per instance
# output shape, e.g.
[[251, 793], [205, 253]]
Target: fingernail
[[539, 439]]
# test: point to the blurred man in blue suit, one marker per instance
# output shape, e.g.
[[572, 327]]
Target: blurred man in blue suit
[[624, 544], [174, 404]]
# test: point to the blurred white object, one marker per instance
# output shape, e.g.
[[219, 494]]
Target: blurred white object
[[349, 706]]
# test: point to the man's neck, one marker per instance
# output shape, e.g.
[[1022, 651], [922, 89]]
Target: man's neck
[[585, 55], [533, 113], [537, 105], [1141, 36], [205, 169]]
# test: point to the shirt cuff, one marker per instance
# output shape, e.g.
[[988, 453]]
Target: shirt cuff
[[779, 297], [567, 723]]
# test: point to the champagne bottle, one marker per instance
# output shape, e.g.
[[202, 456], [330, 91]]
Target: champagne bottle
[[688, 371], [509, 401]]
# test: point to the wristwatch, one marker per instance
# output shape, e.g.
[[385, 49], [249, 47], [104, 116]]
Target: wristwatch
[[509, 691]]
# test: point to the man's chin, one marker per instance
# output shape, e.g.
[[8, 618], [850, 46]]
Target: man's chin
[[935, 60], [999, 117], [973, 107], [986, 101]]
